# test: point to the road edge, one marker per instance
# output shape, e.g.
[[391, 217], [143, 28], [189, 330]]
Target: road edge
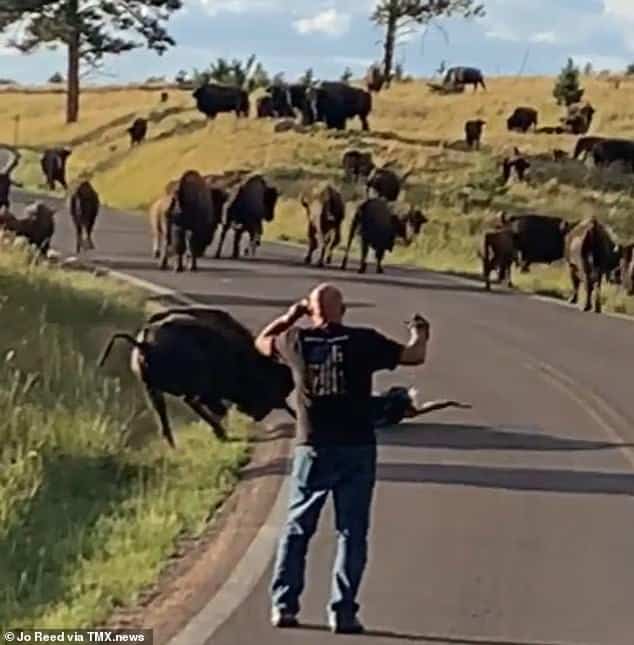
[[190, 607]]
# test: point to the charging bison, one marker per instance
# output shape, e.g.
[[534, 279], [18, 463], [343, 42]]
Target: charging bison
[[207, 359]]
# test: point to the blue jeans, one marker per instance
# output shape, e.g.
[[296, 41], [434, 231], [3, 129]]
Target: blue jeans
[[349, 472]]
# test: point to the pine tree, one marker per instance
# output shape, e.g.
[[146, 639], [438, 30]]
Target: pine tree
[[567, 89], [89, 30], [347, 75], [401, 17]]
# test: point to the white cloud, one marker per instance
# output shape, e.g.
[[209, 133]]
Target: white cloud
[[329, 22], [623, 9], [547, 37], [214, 7]]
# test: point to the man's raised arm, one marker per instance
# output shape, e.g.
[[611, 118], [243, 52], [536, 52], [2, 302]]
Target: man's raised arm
[[415, 352], [265, 342]]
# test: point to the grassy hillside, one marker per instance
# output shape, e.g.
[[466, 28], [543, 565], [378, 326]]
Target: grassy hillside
[[91, 501], [409, 125]]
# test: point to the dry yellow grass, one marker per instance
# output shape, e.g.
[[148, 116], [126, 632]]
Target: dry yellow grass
[[409, 124]]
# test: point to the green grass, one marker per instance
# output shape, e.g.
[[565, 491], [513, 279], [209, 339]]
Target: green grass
[[92, 502]]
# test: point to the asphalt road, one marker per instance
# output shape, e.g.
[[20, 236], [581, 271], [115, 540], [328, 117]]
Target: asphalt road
[[509, 524]]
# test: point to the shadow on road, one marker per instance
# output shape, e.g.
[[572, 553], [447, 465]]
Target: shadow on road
[[429, 638], [466, 437], [520, 479]]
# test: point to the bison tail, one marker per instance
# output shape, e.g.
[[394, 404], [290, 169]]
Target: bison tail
[[127, 337]]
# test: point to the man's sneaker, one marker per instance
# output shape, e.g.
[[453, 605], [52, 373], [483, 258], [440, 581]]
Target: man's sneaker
[[340, 625], [283, 619]]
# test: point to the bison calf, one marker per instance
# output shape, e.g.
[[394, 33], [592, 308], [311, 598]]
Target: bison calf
[[357, 164], [522, 119], [53, 163], [84, 209], [473, 133]]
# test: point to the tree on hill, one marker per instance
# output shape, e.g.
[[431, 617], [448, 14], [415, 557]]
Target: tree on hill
[[346, 77], [401, 17], [249, 75], [307, 77], [567, 88], [56, 79], [88, 30], [630, 70]]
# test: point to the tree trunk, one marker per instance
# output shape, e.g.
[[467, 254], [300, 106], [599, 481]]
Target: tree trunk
[[388, 56], [74, 38]]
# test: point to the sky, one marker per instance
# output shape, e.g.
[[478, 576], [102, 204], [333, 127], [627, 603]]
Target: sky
[[532, 36]]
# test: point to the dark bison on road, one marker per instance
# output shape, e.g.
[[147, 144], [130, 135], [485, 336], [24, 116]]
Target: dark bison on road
[[522, 119], [378, 225], [592, 254], [325, 211], [194, 213], [497, 253], [253, 204], [213, 99], [387, 183], [37, 226], [209, 360], [53, 163], [84, 209]]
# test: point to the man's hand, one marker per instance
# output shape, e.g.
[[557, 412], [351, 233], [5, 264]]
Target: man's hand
[[298, 311]]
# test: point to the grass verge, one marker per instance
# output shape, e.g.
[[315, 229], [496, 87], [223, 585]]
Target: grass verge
[[92, 503]]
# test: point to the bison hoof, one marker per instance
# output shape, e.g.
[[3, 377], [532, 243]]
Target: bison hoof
[[361, 270], [307, 260], [178, 269], [588, 307]]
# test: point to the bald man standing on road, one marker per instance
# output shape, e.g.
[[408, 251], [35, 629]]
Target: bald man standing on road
[[335, 451]]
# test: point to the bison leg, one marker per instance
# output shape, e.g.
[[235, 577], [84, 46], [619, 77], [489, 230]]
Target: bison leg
[[364, 122], [157, 400], [486, 272], [237, 239], [206, 415], [576, 283], [379, 261], [221, 242], [597, 293], [364, 256]]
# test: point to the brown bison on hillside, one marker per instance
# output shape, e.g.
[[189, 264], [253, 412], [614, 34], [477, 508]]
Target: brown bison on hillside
[[457, 76], [357, 164], [212, 99], [138, 131], [378, 224], [473, 132], [387, 183], [522, 119]]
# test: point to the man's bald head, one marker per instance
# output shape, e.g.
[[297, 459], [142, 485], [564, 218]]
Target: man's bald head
[[326, 304]]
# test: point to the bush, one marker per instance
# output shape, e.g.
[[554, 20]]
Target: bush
[[567, 89], [56, 79], [346, 77], [630, 70]]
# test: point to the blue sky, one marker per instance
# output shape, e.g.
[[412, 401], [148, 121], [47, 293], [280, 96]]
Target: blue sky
[[329, 35]]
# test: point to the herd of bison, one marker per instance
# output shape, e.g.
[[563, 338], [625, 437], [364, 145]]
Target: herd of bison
[[195, 208]]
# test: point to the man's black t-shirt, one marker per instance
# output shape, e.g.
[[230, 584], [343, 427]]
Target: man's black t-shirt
[[333, 367]]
